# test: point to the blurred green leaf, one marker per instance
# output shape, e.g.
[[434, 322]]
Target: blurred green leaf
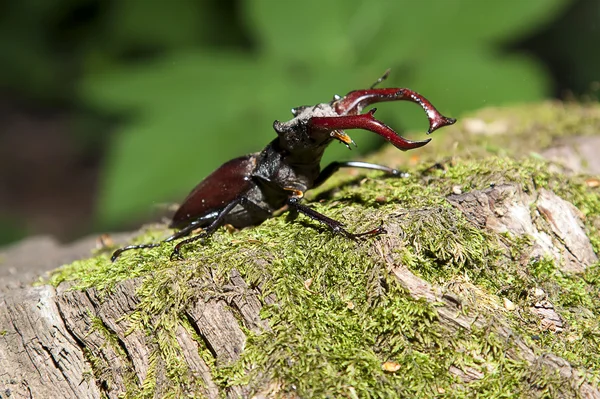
[[313, 32], [343, 32], [494, 21], [156, 24], [472, 80]]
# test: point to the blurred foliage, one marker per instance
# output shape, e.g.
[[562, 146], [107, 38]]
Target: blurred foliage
[[193, 83], [570, 48]]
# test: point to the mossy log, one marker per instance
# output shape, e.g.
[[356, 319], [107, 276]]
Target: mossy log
[[486, 284]]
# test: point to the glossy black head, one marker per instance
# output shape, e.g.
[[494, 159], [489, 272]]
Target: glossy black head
[[297, 136]]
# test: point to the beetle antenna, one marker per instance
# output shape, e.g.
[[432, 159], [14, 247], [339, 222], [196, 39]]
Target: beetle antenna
[[382, 78]]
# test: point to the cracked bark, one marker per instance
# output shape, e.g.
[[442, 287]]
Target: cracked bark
[[37, 353]]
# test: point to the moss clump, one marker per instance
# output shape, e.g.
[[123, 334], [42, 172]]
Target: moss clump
[[340, 315]]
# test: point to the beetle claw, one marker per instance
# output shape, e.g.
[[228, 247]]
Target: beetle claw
[[175, 255]]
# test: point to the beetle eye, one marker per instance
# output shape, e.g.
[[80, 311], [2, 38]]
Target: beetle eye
[[298, 110], [278, 126]]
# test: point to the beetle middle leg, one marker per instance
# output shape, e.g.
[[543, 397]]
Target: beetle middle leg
[[336, 226], [217, 222]]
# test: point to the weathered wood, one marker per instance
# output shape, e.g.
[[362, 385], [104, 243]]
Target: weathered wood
[[38, 355], [506, 208], [77, 311]]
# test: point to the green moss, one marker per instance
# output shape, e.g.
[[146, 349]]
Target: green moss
[[98, 371], [332, 338]]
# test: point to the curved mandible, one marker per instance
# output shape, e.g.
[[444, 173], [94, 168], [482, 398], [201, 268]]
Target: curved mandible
[[365, 122], [355, 101]]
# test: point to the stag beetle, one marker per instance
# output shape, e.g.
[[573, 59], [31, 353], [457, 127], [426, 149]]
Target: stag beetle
[[247, 190]]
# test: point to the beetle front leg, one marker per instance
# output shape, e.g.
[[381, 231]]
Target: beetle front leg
[[335, 226], [366, 122], [335, 166], [355, 101]]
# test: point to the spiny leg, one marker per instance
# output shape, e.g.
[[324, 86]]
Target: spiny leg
[[243, 201], [119, 251], [336, 226], [181, 233], [335, 166]]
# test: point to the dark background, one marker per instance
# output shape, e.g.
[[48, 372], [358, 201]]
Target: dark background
[[111, 108]]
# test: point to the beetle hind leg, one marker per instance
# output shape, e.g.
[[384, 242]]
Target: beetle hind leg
[[119, 251], [335, 226], [181, 233]]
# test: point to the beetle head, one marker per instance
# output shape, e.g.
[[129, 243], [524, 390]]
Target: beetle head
[[297, 135], [298, 138]]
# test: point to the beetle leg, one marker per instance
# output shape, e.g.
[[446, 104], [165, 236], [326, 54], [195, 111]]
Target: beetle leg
[[336, 226], [355, 101], [119, 251], [335, 166], [366, 122], [211, 227], [216, 223], [202, 221]]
